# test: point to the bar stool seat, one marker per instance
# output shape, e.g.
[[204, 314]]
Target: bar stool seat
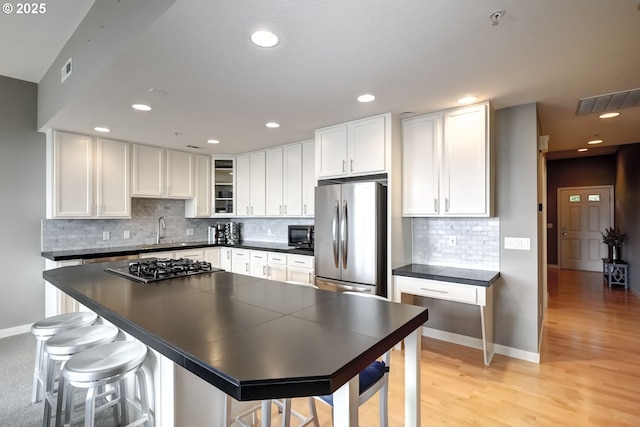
[[105, 365], [45, 329], [60, 348]]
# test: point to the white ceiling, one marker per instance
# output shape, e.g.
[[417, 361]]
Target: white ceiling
[[414, 55]]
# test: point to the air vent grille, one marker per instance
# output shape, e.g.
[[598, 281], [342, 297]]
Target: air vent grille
[[609, 102]]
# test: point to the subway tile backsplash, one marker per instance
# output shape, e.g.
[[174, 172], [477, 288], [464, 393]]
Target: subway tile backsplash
[[477, 242], [70, 234]]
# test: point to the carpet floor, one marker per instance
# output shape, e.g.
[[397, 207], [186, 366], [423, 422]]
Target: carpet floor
[[17, 357]]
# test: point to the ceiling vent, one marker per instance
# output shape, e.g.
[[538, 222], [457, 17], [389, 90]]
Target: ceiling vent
[[66, 70], [609, 102]]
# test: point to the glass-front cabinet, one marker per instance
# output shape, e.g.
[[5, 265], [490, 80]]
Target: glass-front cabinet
[[223, 186]]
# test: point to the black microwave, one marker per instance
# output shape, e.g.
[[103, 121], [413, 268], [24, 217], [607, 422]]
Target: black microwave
[[301, 236]]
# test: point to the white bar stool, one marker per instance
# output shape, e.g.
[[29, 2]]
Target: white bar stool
[[105, 365], [45, 329], [60, 348]]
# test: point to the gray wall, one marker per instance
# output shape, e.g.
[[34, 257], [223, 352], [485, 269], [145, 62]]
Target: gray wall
[[516, 297], [627, 208], [22, 186]]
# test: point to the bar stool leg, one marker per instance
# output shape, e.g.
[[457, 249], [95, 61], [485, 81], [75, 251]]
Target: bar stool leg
[[144, 402], [37, 372], [89, 405]]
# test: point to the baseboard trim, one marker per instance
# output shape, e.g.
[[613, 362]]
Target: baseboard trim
[[477, 343], [17, 330]]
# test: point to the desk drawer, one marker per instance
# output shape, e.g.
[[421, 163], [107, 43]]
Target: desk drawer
[[439, 290]]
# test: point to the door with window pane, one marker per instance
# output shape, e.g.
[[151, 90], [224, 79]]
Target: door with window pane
[[584, 212]]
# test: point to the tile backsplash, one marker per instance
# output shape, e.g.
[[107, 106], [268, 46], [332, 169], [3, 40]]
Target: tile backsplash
[[70, 234], [477, 242]]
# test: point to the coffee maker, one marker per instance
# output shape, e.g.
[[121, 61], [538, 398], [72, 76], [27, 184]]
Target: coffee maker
[[232, 233], [217, 234]]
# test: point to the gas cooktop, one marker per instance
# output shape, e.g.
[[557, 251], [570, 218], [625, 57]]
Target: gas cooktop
[[155, 269]]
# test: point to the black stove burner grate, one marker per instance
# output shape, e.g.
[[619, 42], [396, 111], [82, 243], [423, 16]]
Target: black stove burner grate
[[154, 269]]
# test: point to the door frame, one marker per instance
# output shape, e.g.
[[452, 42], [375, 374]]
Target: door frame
[[559, 211]]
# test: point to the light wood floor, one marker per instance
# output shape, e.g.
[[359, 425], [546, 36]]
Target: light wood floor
[[589, 373]]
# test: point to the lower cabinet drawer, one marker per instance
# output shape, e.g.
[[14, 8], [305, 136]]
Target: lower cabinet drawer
[[439, 290], [303, 261]]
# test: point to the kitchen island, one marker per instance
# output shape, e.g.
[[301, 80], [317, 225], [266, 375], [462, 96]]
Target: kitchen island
[[252, 338]]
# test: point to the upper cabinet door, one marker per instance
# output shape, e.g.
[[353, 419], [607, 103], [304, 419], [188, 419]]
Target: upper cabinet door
[[308, 178], [113, 189], [243, 184], [200, 205], [179, 174], [293, 181], [148, 171], [258, 187], [72, 170], [366, 146], [421, 138], [274, 182], [331, 151], [466, 163]]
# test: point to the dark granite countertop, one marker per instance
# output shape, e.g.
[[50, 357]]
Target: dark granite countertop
[[464, 276], [140, 249], [251, 338]]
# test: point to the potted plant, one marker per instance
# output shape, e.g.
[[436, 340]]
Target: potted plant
[[615, 240]]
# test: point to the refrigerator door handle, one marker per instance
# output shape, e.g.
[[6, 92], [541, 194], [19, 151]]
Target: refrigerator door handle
[[344, 234], [334, 232]]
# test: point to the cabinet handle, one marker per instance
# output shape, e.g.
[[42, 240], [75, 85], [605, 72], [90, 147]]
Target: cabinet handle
[[304, 209], [310, 278], [228, 255], [280, 209], [247, 209], [344, 166], [446, 204], [351, 166], [435, 205], [246, 267], [264, 270], [434, 290], [299, 262], [285, 209], [251, 210]]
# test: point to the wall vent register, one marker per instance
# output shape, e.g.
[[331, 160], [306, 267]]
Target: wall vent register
[[155, 269]]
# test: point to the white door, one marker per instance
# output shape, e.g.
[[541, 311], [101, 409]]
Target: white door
[[331, 151], [148, 171], [179, 174], [308, 178], [584, 212], [72, 175], [257, 186], [366, 146], [243, 185]]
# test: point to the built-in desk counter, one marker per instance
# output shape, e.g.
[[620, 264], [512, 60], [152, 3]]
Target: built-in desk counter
[[467, 286]]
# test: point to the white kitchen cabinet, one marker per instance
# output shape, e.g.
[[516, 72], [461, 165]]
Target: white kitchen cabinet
[[212, 256], [149, 171], [276, 266], [308, 178], [87, 178], [250, 184], [355, 148], [225, 259], [274, 182], [200, 205], [284, 181], [300, 268], [193, 254], [421, 138], [55, 301], [241, 261], [269, 265], [224, 186], [259, 264], [162, 254], [180, 171], [447, 167], [158, 172]]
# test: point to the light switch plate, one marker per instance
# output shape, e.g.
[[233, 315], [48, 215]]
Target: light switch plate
[[517, 243], [189, 231]]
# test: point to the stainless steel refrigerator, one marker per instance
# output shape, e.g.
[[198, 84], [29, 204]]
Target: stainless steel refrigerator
[[351, 237]]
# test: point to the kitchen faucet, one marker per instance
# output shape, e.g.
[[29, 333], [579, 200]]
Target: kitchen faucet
[[161, 226]]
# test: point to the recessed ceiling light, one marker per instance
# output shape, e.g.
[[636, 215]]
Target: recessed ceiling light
[[467, 100], [102, 129], [367, 97], [264, 38], [582, 149], [273, 125], [608, 115], [213, 141], [141, 107], [595, 141]]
